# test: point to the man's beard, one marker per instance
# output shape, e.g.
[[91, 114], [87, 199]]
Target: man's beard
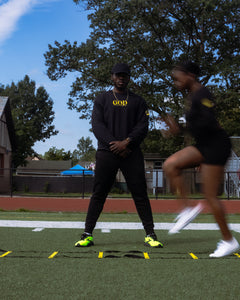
[[121, 88]]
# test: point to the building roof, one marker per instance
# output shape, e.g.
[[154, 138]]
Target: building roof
[[5, 109], [44, 167], [3, 102]]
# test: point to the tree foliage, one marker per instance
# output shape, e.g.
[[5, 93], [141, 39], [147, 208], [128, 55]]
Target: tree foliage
[[155, 143], [32, 111], [57, 154], [85, 150], [152, 36]]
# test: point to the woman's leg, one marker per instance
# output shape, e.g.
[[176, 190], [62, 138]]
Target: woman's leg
[[173, 166], [212, 177]]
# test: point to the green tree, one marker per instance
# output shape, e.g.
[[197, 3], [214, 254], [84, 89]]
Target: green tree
[[152, 36], [1, 88], [57, 154], [228, 110], [85, 150], [155, 143], [32, 111]]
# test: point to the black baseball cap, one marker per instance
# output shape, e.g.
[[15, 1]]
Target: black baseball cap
[[121, 68]]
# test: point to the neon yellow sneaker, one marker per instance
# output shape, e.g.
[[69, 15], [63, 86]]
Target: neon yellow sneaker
[[151, 241], [85, 241]]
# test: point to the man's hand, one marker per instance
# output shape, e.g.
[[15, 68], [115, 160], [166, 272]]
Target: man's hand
[[118, 146]]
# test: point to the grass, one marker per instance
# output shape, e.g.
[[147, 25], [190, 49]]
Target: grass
[[122, 273], [104, 217], [111, 195]]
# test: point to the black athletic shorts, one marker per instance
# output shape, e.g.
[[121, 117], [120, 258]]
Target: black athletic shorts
[[215, 149]]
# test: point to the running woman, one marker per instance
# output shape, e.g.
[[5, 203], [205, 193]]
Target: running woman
[[211, 152], [120, 123]]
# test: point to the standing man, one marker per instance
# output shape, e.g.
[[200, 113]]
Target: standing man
[[120, 123]]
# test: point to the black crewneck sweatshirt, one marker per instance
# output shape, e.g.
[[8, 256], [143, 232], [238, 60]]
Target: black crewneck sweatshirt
[[116, 118]]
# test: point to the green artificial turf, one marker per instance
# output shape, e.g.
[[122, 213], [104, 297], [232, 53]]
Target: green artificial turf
[[104, 217], [121, 273]]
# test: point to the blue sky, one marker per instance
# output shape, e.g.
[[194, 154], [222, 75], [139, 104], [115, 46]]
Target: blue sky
[[26, 29]]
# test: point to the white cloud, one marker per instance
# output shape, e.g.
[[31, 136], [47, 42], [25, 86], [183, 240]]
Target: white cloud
[[11, 11]]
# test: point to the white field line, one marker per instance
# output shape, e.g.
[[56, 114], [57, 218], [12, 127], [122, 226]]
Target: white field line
[[108, 225]]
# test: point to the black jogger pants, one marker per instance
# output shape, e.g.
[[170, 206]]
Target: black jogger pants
[[132, 167]]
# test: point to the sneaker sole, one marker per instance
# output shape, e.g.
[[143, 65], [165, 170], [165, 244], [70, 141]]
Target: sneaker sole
[[89, 245], [147, 245]]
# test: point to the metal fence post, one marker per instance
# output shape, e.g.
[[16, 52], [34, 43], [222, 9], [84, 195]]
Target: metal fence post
[[83, 185], [157, 184], [11, 182], [228, 185]]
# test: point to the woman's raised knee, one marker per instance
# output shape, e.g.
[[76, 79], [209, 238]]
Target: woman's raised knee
[[170, 167]]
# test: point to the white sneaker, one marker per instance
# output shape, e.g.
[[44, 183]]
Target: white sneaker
[[225, 248], [185, 217], [184, 212]]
